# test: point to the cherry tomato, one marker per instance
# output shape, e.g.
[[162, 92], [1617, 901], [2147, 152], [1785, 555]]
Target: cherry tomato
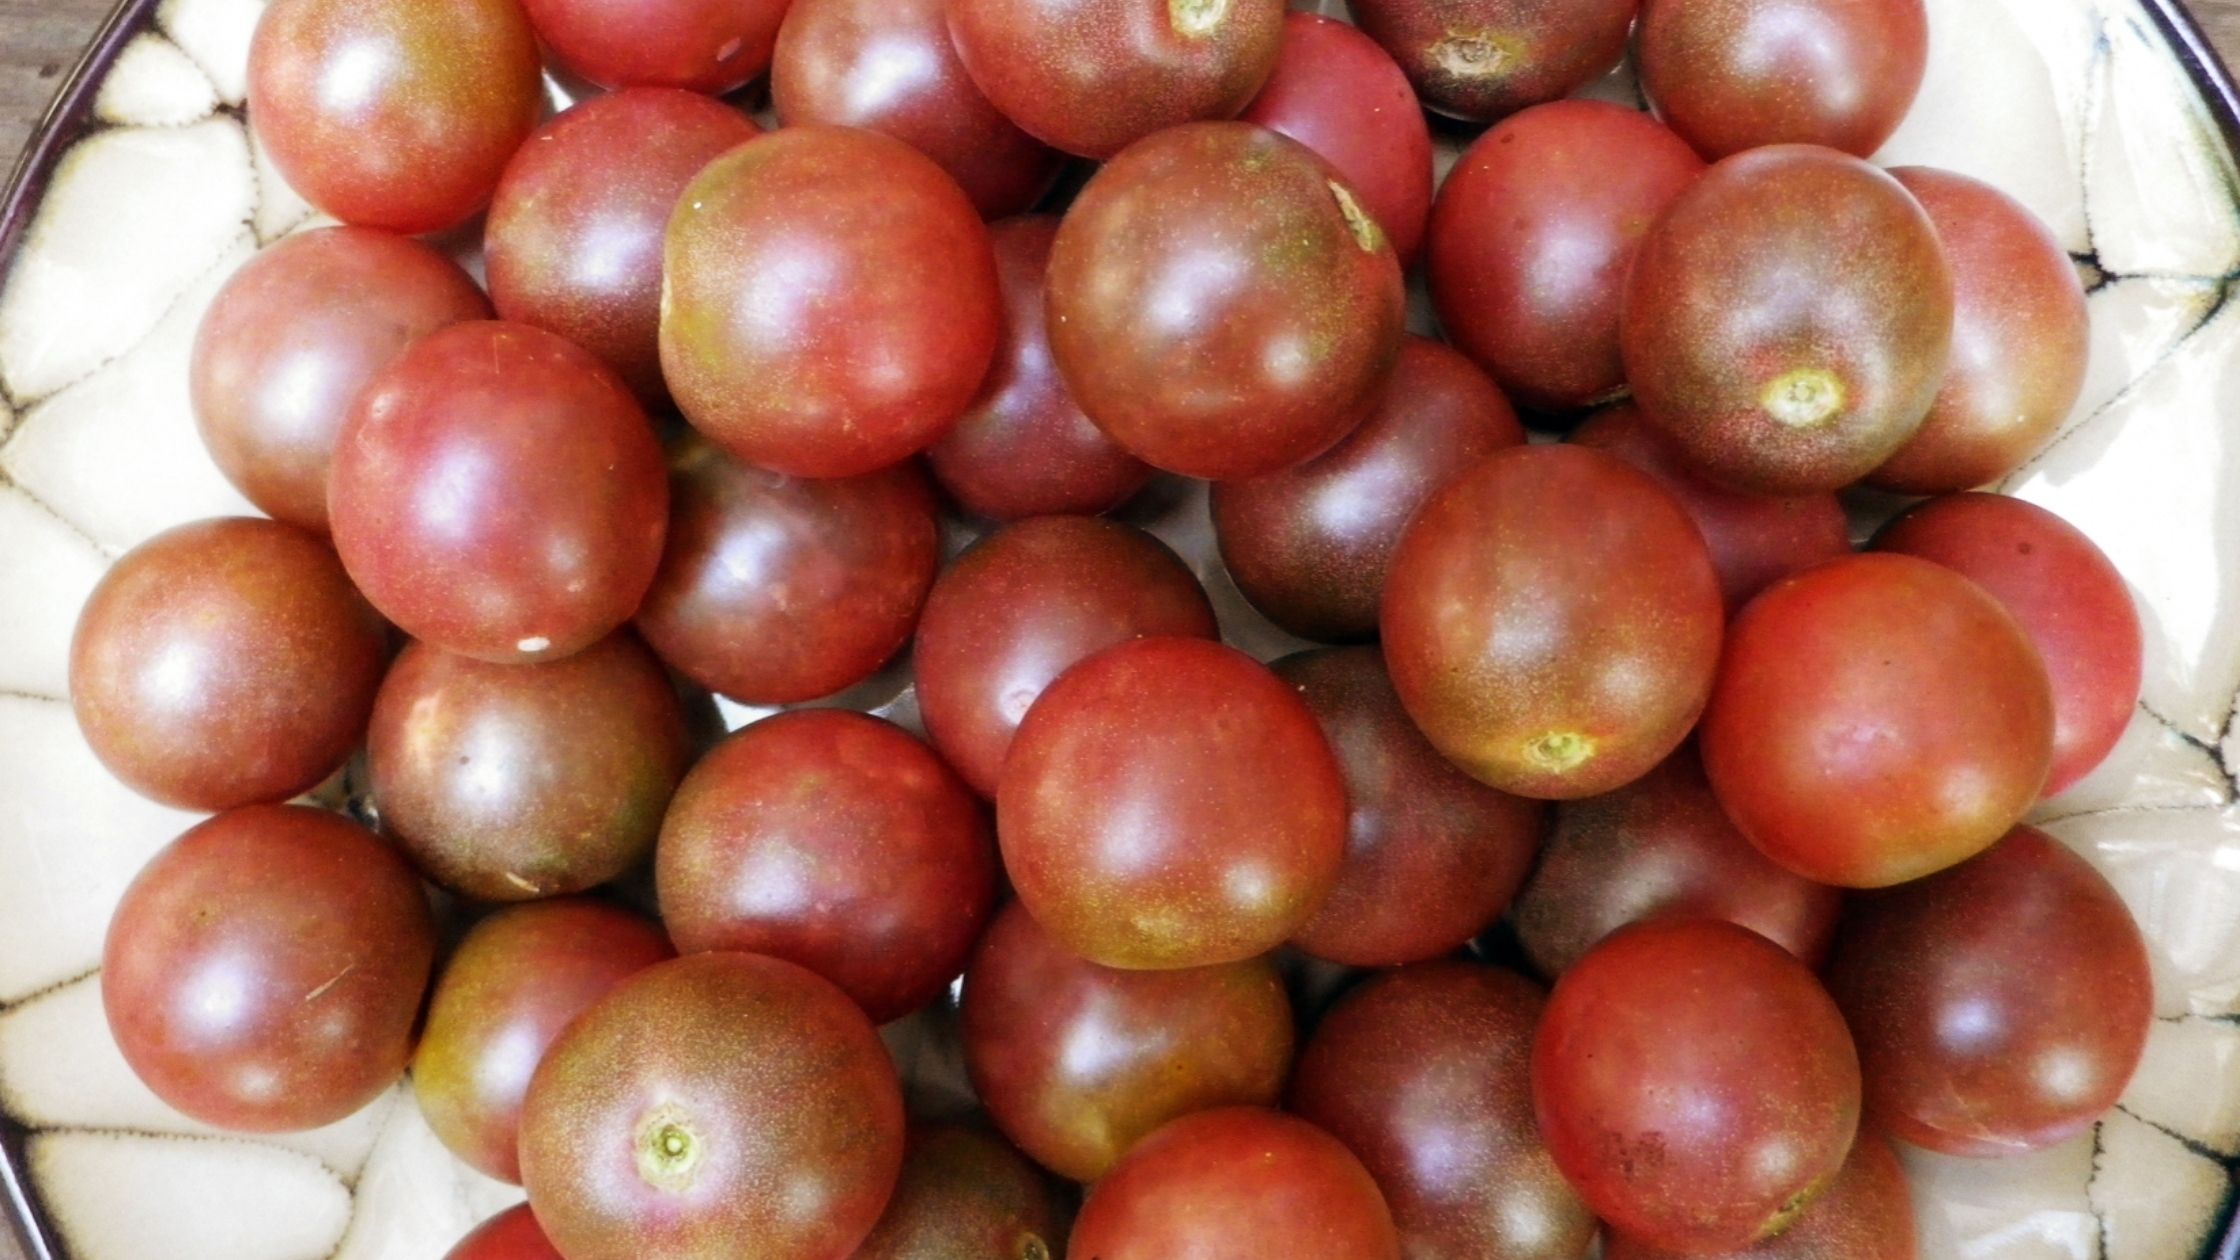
[[510, 1235], [709, 46], [1480, 59], [967, 1195], [1866, 1213]]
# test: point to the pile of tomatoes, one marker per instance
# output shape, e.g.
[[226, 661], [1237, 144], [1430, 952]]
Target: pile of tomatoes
[[1625, 713]]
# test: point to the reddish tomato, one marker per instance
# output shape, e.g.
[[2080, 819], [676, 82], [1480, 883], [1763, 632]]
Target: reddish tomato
[[224, 663], [837, 841], [1204, 1183], [1221, 304], [1788, 319], [1339, 94], [1480, 59], [293, 337], [394, 113], [1023, 606], [888, 65], [1877, 718], [1122, 771], [709, 46], [776, 589], [2066, 594], [573, 242], [1532, 236], [1424, 1073], [829, 302], [1092, 76], [1866, 1213], [510, 1235], [263, 972], [967, 1195], [1310, 546], [2001, 1006], [1075, 1062], [1695, 1084], [510, 987], [1736, 74], [1552, 622], [2020, 339]]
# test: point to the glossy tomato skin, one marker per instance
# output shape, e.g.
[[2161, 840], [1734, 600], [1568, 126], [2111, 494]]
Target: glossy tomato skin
[[1866, 1213], [1552, 622], [1204, 1183], [319, 935], [2068, 597], [1737, 74], [1788, 320], [1877, 718], [719, 1104], [509, 988], [1532, 236], [1656, 847], [1481, 59], [1336, 92], [1168, 1043], [293, 337], [1125, 767], [2020, 339], [510, 1235], [1432, 855], [1092, 76], [225, 662], [1695, 1083], [2001, 1006], [1025, 604], [709, 46], [829, 301], [573, 242], [498, 493], [1754, 539], [1424, 1072], [1310, 546], [395, 114], [837, 841], [966, 1194], [776, 589], [1220, 304], [889, 65]]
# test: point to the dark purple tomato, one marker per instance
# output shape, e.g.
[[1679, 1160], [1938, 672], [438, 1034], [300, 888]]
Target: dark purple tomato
[[511, 986], [1866, 1213], [1788, 319], [573, 242], [395, 114], [1755, 540], [1661, 846], [263, 972], [510, 1235], [1170, 803], [1432, 855], [1310, 546], [709, 46], [507, 782], [2068, 598], [1093, 76], [965, 1194], [2020, 339], [1023, 448], [2001, 1006], [837, 841], [1695, 1083], [498, 493], [829, 301], [1876, 719], [888, 65], [721, 1104], [1481, 59], [1023, 606], [1234, 1182], [776, 589], [1552, 622], [1220, 302], [225, 662], [1075, 1062], [1736, 74], [1425, 1073], [1336, 92], [1533, 234], [291, 339]]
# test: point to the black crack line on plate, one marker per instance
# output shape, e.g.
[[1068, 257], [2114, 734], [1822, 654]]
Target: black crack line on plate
[[134, 1132], [2091, 1204], [52, 989], [32, 497], [2098, 66], [11, 693], [2193, 1146], [2059, 820], [2222, 1242], [162, 25], [2213, 751]]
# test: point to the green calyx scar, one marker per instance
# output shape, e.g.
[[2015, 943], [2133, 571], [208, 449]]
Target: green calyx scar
[[1196, 19], [1804, 398], [1559, 752], [669, 1150]]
